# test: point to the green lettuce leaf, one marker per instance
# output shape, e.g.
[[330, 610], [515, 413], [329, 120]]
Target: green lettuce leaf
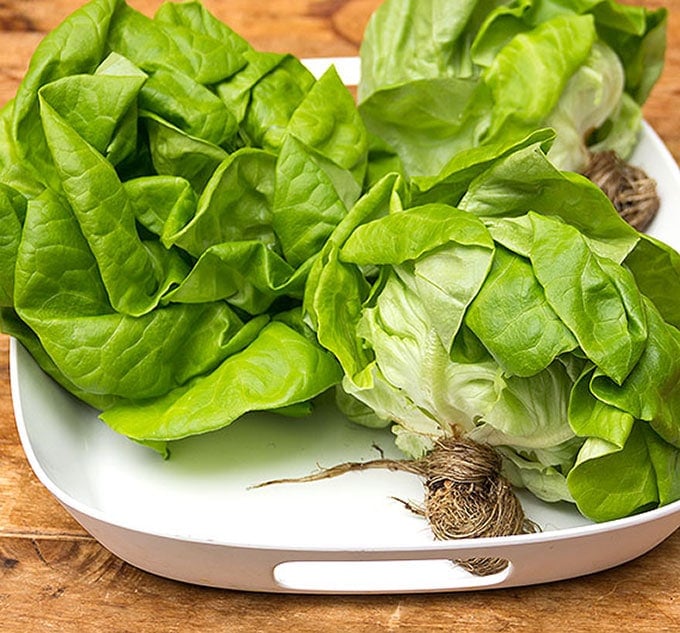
[[279, 368]]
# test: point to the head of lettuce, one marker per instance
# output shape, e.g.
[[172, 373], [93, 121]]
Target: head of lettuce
[[514, 317], [164, 188], [439, 78]]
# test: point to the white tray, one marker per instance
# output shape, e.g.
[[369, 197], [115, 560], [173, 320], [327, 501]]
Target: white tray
[[195, 518]]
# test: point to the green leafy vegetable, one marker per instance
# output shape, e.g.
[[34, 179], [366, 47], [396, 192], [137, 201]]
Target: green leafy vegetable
[[151, 178], [512, 319], [438, 80], [264, 376]]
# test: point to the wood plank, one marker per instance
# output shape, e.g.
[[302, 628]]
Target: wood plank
[[326, 27], [64, 585], [313, 29]]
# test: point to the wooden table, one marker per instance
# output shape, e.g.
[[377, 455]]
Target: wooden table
[[55, 577]]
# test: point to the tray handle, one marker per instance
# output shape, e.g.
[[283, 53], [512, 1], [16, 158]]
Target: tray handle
[[409, 570], [386, 576]]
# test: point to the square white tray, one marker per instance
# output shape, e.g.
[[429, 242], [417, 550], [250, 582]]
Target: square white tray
[[196, 518]]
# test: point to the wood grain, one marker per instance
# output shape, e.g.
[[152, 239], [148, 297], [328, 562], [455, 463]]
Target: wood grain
[[55, 577], [67, 584], [303, 27]]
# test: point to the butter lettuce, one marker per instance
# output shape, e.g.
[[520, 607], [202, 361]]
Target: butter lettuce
[[164, 190], [515, 320], [438, 79]]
